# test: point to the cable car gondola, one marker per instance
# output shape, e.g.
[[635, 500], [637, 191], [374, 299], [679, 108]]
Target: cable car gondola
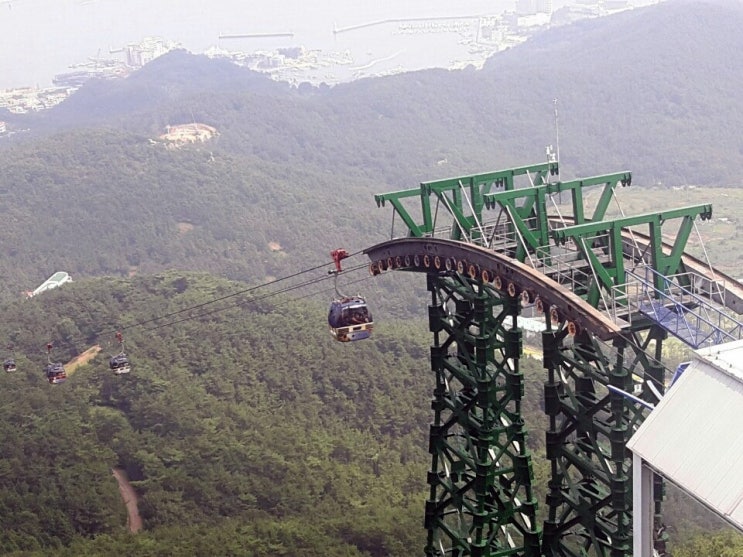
[[9, 363], [54, 371], [349, 317], [119, 364]]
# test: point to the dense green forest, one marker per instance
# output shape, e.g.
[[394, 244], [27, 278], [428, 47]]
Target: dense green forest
[[210, 429], [243, 426], [247, 428]]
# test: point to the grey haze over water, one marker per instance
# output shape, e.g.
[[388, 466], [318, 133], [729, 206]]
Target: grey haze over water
[[41, 38]]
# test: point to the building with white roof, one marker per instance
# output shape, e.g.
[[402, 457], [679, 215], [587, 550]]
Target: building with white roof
[[693, 439], [57, 279]]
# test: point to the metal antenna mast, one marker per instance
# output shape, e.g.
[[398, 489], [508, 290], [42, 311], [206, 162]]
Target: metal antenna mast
[[557, 139]]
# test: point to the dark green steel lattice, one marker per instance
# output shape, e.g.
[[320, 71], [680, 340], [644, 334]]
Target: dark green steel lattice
[[475, 360], [481, 501]]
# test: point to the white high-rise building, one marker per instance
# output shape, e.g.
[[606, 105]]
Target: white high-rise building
[[531, 7]]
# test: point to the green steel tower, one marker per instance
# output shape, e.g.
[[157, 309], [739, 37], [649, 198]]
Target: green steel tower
[[496, 247]]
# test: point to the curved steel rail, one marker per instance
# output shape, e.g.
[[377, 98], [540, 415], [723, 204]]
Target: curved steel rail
[[433, 255]]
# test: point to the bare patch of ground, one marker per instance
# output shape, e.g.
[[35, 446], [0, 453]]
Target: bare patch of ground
[[177, 136], [82, 359], [184, 227], [129, 496]]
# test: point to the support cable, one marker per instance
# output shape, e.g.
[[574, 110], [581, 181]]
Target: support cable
[[474, 215], [495, 229], [635, 244], [254, 299], [448, 206], [142, 323], [521, 238], [559, 214], [595, 276], [708, 262], [222, 298]]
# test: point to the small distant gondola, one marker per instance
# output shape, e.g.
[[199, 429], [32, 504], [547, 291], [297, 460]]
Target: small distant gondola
[[119, 364], [54, 371], [9, 363], [349, 317]]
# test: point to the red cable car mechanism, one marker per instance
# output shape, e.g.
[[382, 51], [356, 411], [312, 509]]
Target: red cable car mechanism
[[349, 317]]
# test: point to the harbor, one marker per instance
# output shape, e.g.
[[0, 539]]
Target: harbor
[[375, 47]]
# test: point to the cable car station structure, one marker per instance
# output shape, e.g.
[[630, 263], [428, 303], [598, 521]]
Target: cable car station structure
[[495, 247]]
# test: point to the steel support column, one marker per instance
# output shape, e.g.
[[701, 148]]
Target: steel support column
[[481, 501], [589, 498]]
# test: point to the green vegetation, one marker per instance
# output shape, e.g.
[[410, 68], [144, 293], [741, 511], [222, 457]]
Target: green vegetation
[[321, 454], [248, 429], [242, 426], [88, 192]]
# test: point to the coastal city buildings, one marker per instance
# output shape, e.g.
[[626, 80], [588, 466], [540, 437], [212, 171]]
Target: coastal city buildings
[[469, 39]]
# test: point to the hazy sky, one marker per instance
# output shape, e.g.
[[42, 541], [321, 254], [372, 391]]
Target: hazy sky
[[40, 38]]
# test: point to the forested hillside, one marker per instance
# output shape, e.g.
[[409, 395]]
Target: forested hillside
[[243, 426], [99, 202], [247, 428], [251, 419], [241, 421], [650, 90]]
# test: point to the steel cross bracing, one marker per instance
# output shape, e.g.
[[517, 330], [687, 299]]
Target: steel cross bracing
[[481, 501], [462, 198], [580, 365], [596, 337]]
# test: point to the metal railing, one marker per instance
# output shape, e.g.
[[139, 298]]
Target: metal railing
[[682, 305]]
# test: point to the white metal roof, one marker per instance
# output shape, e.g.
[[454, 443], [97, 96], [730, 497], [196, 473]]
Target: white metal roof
[[57, 279], [694, 436]]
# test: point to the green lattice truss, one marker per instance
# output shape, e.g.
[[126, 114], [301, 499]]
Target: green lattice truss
[[481, 500]]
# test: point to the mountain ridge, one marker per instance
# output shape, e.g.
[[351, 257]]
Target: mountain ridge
[[298, 166]]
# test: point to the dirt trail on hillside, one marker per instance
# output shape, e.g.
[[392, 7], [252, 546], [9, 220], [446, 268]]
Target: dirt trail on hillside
[[134, 521], [81, 359]]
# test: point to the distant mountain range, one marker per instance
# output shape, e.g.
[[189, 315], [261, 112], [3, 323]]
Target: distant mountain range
[[653, 90]]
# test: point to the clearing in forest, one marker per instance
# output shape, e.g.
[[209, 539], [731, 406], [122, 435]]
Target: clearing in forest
[[82, 359]]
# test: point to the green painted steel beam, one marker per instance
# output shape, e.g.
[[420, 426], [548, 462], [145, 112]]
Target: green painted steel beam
[[395, 199], [612, 274], [477, 479], [589, 497], [527, 208], [480, 483], [561, 235], [609, 181], [449, 193], [481, 502], [498, 178]]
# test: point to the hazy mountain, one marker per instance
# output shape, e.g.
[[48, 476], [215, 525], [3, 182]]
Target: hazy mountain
[[238, 424], [652, 90]]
